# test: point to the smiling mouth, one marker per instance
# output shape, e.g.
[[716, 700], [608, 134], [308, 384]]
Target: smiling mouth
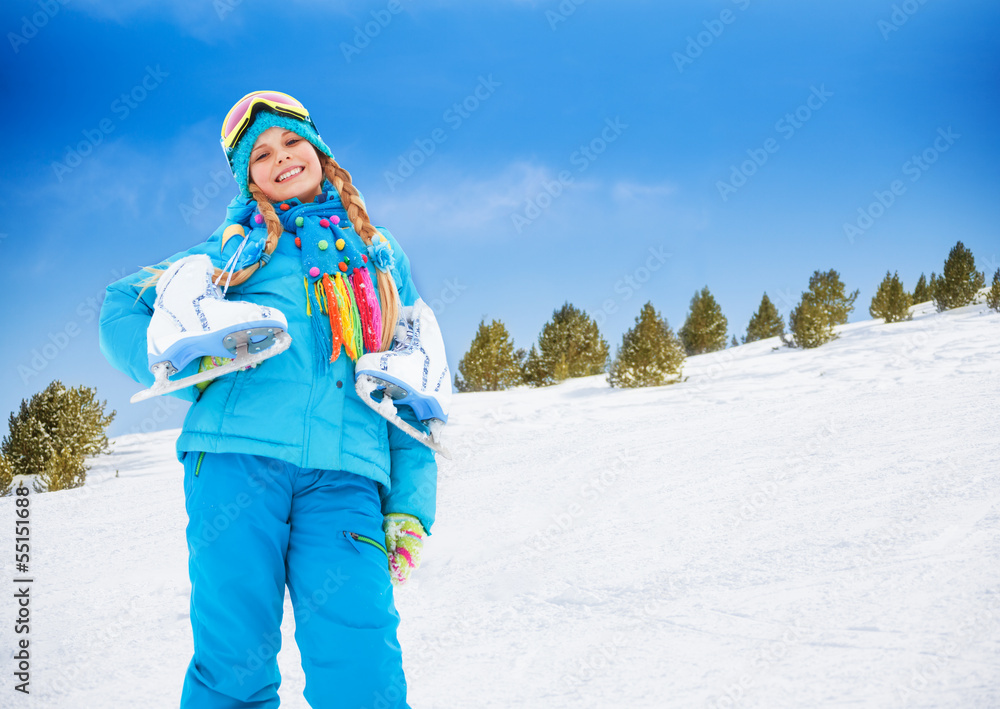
[[288, 174]]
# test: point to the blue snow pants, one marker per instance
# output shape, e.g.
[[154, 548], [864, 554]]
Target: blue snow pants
[[256, 524]]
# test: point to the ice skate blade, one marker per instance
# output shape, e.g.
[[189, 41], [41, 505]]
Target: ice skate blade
[[244, 358], [258, 335], [233, 340], [427, 408], [366, 384]]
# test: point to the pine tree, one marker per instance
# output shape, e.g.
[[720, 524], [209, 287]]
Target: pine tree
[[491, 364], [993, 294], [891, 301], [829, 294], [27, 445], [532, 371], [960, 281], [809, 325], [6, 475], [570, 345], [922, 293], [650, 353], [53, 433], [766, 322], [734, 342], [64, 471], [823, 306], [705, 327]]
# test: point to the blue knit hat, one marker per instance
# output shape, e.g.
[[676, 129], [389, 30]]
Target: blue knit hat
[[239, 155]]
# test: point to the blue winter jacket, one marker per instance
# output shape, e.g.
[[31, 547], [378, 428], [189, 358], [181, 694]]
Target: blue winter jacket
[[297, 406]]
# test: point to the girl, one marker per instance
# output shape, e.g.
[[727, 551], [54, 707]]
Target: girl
[[289, 478]]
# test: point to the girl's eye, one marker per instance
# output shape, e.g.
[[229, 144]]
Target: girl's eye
[[259, 156], [293, 141]]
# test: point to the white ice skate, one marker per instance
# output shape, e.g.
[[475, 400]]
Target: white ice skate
[[191, 318], [415, 372]]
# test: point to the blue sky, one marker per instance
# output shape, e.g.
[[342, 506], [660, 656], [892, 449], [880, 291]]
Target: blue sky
[[524, 153]]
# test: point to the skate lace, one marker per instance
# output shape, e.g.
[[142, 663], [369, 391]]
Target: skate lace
[[231, 263], [407, 342]]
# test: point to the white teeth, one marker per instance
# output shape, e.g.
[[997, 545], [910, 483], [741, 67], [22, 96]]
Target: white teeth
[[290, 173]]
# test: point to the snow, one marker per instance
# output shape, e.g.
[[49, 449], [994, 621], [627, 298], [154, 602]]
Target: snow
[[784, 528]]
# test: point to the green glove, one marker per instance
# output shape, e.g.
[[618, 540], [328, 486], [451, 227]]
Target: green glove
[[404, 540], [211, 362]]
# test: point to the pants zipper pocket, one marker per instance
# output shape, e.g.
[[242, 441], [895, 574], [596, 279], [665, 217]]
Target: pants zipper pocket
[[354, 537]]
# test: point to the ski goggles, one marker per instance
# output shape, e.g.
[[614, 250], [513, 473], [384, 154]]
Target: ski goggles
[[241, 116]]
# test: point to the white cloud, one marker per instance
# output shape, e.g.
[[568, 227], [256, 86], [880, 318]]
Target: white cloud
[[625, 191], [456, 205], [197, 18], [210, 21], [459, 205], [125, 182]]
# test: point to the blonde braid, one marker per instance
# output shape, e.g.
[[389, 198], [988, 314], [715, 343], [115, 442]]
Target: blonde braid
[[274, 228], [356, 212], [274, 232]]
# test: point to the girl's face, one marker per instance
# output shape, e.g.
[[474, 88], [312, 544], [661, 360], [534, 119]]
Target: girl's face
[[285, 165]]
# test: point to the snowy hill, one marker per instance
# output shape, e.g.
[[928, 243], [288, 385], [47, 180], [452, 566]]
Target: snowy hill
[[785, 528]]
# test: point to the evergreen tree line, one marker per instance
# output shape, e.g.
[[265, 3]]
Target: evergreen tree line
[[51, 436], [650, 354]]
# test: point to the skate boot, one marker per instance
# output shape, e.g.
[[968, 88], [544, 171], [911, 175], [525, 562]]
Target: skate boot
[[415, 373], [191, 319]]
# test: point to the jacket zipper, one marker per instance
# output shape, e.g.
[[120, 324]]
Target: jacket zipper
[[367, 540]]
